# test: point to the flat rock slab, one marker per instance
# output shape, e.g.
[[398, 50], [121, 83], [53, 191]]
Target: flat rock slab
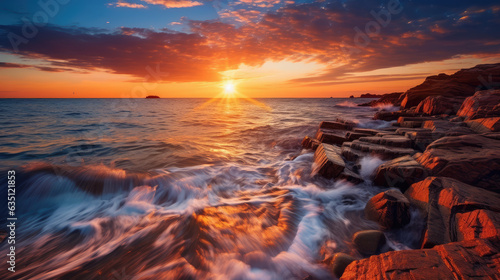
[[455, 211], [336, 125], [472, 159], [331, 136], [485, 125], [328, 161], [384, 152], [389, 140], [472, 259]]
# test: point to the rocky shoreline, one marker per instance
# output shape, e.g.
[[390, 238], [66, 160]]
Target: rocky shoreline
[[442, 158]]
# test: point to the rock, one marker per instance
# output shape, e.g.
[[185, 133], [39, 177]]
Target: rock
[[484, 125], [463, 83], [381, 151], [391, 116], [482, 104], [369, 242], [366, 131], [392, 140], [472, 259], [455, 211], [412, 122], [369, 95], [328, 161], [350, 176], [258, 259], [472, 159], [386, 99], [352, 96], [437, 104], [351, 154], [400, 173], [335, 137], [310, 143], [390, 209], [339, 262], [351, 135], [335, 125]]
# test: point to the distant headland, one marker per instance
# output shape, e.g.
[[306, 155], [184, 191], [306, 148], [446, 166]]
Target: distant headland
[[152, 96]]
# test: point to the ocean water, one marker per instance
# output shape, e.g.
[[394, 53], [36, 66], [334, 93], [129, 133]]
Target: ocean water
[[178, 188]]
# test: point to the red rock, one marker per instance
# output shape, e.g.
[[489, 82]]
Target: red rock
[[389, 139], [400, 173], [455, 211], [484, 124], [472, 259], [472, 159], [339, 262], [482, 104], [335, 137], [328, 161], [351, 135], [390, 209], [437, 105], [461, 84], [310, 143], [381, 151]]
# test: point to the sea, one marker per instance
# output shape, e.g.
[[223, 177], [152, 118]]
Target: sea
[[179, 189]]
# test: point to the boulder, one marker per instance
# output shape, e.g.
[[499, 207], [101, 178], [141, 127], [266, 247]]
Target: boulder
[[482, 104], [463, 83], [400, 173], [472, 259], [472, 159], [437, 105], [455, 211], [369, 242], [339, 262], [390, 209], [327, 161]]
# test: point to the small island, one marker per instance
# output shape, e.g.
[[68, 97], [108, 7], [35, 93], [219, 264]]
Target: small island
[[152, 96]]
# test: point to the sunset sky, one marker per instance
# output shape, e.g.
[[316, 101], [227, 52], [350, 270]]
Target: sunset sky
[[266, 48]]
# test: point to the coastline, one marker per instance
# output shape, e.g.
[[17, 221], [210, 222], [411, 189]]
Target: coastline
[[442, 159]]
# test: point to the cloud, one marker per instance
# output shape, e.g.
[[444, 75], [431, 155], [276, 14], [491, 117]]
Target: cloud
[[322, 32], [174, 3], [121, 4]]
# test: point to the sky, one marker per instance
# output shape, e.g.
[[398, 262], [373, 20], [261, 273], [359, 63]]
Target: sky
[[261, 48]]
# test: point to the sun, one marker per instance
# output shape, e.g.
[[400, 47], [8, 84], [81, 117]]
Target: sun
[[229, 88]]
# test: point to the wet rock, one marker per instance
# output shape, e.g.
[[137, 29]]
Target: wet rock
[[369, 242], [389, 140], [390, 209], [391, 116], [351, 154], [350, 176], [400, 173], [463, 83], [366, 131], [437, 104], [258, 259], [484, 125], [482, 104], [351, 135], [381, 151], [455, 211], [310, 143], [339, 262], [336, 125], [386, 99], [335, 137], [327, 161], [472, 159], [472, 259]]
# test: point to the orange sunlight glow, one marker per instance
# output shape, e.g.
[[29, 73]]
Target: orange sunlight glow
[[229, 92]]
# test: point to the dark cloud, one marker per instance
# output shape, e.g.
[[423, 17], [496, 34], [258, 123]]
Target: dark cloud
[[325, 32]]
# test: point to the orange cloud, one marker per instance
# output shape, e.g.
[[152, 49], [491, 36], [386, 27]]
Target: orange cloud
[[122, 4], [174, 3]]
